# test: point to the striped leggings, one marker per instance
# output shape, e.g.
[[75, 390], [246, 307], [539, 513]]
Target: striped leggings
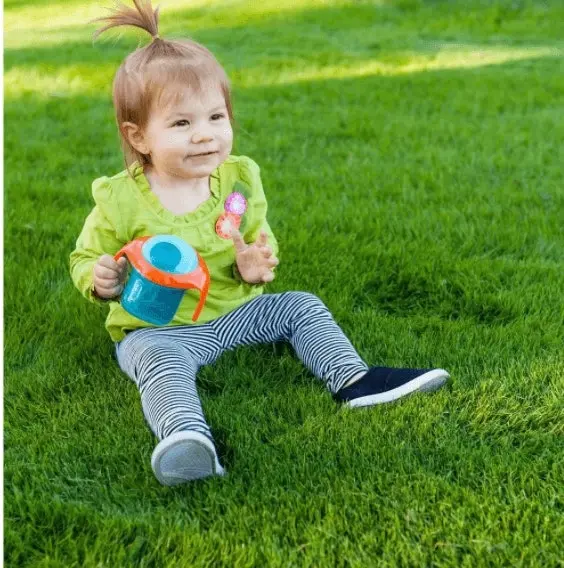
[[163, 361]]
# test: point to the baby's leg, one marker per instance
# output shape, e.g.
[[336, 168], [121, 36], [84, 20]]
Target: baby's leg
[[165, 373], [303, 320], [166, 377]]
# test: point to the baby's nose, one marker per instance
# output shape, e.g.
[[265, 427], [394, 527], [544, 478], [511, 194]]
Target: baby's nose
[[201, 136]]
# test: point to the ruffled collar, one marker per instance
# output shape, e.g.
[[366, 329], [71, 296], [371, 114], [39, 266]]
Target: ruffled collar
[[205, 209]]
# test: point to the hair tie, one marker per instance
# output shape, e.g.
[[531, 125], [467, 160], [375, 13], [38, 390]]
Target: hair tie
[[156, 36]]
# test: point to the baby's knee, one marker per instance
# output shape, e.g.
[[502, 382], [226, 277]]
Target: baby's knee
[[306, 303], [145, 356], [307, 298]]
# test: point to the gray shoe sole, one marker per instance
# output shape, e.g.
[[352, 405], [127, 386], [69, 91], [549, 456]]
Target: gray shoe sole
[[184, 456]]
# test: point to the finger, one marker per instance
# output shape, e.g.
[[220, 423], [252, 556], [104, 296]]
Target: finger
[[108, 261], [262, 239], [114, 291], [108, 291], [106, 283], [272, 262], [268, 276], [123, 266], [238, 241], [266, 251], [103, 272]]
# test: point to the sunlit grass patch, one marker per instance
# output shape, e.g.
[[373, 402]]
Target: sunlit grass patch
[[83, 78], [400, 63]]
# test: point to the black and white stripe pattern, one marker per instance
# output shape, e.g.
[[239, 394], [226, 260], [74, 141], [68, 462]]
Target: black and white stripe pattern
[[163, 361]]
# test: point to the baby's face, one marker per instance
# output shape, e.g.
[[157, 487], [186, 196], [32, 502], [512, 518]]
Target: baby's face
[[192, 137]]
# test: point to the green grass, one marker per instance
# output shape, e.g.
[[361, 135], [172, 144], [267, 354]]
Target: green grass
[[412, 155]]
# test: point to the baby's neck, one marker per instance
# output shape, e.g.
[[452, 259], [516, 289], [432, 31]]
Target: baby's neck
[[171, 184], [183, 196]]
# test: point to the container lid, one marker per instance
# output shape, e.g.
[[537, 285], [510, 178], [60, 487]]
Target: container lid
[[170, 254]]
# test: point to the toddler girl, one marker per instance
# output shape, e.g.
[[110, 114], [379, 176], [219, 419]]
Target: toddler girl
[[173, 110]]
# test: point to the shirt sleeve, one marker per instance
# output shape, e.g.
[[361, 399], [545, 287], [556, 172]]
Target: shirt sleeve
[[98, 237], [250, 173]]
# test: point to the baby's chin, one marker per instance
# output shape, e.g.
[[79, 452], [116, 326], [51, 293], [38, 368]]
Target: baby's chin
[[201, 166], [200, 172]]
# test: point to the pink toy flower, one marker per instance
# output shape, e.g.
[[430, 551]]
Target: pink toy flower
[[236, 203]]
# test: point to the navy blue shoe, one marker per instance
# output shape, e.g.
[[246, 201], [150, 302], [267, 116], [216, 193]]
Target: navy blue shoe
[[384, 384]]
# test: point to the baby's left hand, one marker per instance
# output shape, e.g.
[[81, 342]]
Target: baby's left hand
[[255, 262]]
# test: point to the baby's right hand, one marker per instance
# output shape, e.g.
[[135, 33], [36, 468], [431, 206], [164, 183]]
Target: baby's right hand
[[109, 276]]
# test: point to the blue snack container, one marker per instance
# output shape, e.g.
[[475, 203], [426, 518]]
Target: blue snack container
[[163, 268]]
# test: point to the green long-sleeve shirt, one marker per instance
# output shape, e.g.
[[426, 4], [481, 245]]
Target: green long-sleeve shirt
[[126, 209]]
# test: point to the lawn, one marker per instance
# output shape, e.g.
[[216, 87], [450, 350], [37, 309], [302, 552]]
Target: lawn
[[412, 153]]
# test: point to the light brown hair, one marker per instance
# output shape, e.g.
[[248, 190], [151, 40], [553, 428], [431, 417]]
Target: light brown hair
[[152, 75]]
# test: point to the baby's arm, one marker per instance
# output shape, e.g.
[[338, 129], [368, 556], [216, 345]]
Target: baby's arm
[[97, 238], [256, 227]]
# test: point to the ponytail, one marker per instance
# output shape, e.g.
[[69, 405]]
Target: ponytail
[[143, 17]]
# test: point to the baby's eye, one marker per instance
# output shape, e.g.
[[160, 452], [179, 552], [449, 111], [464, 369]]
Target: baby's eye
[[217, 116], [181, 123]]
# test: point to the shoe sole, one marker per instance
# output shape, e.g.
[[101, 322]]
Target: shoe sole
[[427, 382], [184, 456]]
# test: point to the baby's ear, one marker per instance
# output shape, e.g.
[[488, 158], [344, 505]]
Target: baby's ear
[[134, 135]]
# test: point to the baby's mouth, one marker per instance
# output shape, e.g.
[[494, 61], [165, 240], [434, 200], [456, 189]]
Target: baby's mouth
[[201, 155]]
